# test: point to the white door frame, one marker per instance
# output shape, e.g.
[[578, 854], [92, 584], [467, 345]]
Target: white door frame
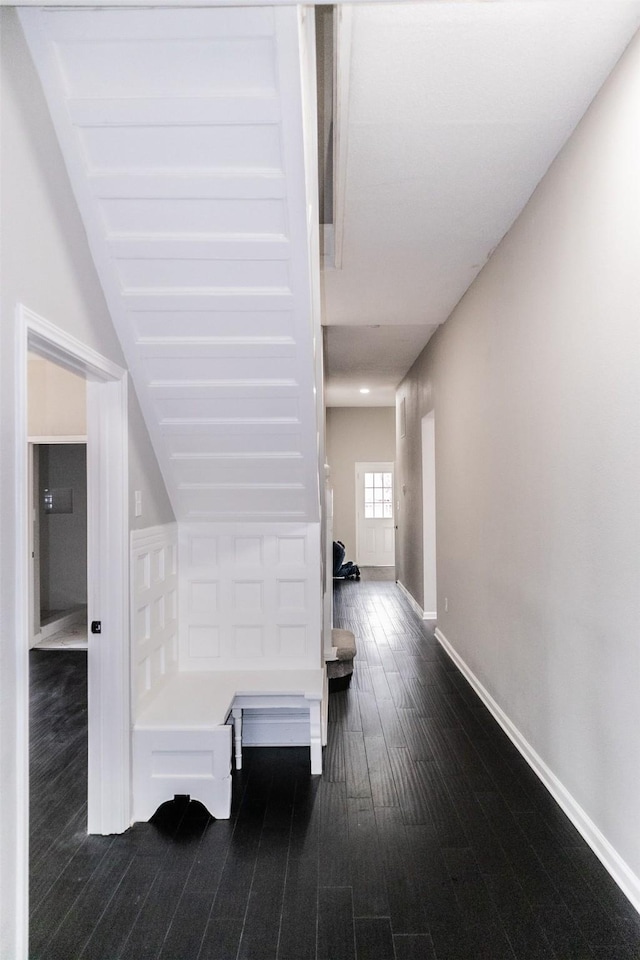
[[430, 594], [109, 791]]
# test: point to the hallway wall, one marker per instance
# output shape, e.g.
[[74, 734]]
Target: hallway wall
[[535, 383], [47, 266], [355, 434]]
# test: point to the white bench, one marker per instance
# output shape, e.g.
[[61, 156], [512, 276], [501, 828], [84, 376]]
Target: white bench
[[182, 739]]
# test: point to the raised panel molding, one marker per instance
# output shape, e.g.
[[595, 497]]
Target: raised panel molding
[[203, 643], [292, 595], [154, 610], [292, 639], [203, 599], [250, 596]]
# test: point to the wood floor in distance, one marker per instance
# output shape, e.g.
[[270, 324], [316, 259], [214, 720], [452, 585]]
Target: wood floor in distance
[[426, 838]]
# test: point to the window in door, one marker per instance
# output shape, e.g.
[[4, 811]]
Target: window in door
[[378, 496]]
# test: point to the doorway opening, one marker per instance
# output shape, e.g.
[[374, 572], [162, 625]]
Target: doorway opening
[[57, 463], [59, 531], [430, 599], [375, 532], [108, 672]]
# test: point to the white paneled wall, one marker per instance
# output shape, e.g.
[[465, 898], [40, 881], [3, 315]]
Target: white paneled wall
[[250, 596], [154, 610]]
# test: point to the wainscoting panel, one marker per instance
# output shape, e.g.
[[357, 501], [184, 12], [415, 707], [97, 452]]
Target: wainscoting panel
[[250, 596], [154, 610]]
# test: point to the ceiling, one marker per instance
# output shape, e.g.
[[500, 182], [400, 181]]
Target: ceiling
[[449, 114]]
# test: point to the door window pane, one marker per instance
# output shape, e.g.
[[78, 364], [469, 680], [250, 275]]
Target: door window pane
[[378, 496]]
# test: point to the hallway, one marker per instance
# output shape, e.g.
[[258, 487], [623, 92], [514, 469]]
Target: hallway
[[426, 838]]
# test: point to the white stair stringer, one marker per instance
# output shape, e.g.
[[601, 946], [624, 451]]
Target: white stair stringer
[[183, 130]]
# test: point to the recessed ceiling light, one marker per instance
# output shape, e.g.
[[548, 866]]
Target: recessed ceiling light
[[365, 390]]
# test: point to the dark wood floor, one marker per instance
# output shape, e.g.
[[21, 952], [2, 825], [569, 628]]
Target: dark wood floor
[[426, 837]]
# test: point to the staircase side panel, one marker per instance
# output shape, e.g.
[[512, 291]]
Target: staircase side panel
[[183, 131]]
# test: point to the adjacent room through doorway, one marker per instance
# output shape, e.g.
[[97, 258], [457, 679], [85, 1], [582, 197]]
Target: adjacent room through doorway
[[57, 493], [59, 567]]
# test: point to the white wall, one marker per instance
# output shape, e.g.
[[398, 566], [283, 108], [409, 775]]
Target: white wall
[[355, 434], [45, 265], [535, 383]]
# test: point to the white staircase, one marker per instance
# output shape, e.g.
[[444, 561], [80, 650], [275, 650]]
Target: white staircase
[[189, 137], [183, 131]]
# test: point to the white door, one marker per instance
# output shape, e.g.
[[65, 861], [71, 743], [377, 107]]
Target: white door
[[375, 534]]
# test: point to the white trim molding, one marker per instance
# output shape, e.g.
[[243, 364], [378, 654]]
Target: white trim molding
[[415, 606], [626, 879], [59, 439], [49, 341], [21, 622]]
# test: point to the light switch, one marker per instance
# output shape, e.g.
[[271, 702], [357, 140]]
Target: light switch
[[138, 503]]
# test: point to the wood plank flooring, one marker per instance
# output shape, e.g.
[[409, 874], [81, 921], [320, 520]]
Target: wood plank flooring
[[426, 838]]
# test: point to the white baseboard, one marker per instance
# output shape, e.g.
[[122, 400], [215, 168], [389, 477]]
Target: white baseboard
[[626, 879], [414, 603], [55, 626], [423, 614]]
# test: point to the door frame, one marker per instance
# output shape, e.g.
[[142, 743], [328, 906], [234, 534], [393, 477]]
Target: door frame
[[376, 466], [109, 778], [429, 569]]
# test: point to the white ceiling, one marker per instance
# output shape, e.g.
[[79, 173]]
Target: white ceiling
[[455, 112], [373, 357]]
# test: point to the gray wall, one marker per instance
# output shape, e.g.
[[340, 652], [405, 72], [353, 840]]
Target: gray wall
[[355, 434], [46, 265], [63, 536], [535, 384]]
